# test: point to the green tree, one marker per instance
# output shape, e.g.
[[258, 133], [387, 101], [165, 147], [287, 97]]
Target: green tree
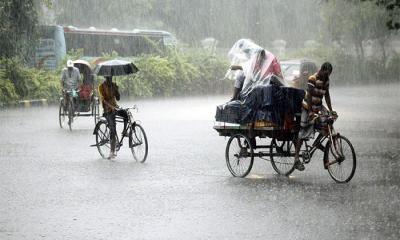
[[17, 28], [351, 23], [392, 8]]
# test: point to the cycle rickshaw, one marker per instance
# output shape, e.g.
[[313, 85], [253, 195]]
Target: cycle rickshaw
[[339, 156], [82, 102], [269, 109]]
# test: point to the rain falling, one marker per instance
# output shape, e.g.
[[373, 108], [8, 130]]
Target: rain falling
[[211, 119]]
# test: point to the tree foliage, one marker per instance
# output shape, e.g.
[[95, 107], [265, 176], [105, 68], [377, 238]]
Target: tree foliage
[[176, 73], [351, 24], [193, 20], [17, 28], [392, 8]]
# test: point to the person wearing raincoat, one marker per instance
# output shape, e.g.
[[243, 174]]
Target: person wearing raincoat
[[251, 68], [251, 65]]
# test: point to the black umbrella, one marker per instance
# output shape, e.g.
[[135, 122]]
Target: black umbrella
[[115, 68]]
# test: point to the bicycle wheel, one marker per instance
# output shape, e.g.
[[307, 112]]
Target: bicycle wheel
[[138, 143], [239, 155], [342, 167], [103, 140], [70, 114], [61, 115], [283, 161]]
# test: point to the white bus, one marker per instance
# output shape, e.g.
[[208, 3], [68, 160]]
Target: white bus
[[56, 41]]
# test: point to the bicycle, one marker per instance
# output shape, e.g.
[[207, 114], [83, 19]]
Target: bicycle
[[339, 155], [136, 134]]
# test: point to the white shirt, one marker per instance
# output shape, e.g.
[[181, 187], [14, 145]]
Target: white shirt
[[70, 78]]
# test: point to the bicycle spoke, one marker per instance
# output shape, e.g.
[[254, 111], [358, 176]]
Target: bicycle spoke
[[282, 159], [138, 143], [341, 169], [239, 156]]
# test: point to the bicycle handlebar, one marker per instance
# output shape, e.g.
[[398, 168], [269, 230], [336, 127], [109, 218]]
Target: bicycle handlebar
[[126, 109], [331, 116]]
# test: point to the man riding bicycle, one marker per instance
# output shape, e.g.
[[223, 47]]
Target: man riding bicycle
[[318, 87], [70, 78], [109, 95]]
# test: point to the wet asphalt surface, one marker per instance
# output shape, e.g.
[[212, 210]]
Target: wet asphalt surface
[[54, 186]]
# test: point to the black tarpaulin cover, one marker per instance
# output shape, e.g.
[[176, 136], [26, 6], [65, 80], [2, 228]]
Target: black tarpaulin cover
[[264, 102]]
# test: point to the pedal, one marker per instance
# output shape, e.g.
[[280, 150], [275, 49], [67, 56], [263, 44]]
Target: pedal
[[118, 146], [306, 157]]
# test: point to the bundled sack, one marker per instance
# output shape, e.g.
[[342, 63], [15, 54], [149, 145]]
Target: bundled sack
[[231, 112]]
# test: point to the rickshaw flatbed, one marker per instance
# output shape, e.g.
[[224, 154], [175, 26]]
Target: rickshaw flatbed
[[261, 132]]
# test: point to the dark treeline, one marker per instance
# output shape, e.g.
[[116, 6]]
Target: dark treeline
[[193, 20], [228, 20]]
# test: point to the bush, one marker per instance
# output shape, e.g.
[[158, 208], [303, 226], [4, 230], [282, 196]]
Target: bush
[[44, 84], [176, 73], [18, 82], [8, 95]]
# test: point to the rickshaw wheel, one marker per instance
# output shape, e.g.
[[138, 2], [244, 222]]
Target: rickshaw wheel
[[70, 114], [138, 143], [239, 155], [343, 169], [61, 115], [283, 161], [103, 140], [95, 111]]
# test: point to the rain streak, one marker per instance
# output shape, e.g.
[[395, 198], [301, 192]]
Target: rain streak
[[212, 119]]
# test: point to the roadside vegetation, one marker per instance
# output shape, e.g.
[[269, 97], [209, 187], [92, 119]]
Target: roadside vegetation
[[172, 74]]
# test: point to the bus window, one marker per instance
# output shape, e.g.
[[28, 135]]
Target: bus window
[[95, 43], [169, 40]]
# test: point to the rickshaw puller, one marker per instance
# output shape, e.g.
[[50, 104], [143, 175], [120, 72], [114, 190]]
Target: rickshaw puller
[[70, 78], [318, 87]]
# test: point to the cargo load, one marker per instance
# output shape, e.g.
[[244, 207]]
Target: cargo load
[[264, 95]]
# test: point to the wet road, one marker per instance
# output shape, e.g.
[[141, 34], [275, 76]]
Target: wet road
[[54, 186]]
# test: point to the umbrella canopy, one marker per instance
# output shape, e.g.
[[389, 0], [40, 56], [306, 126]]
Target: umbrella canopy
[[115, 68], [82, 64]]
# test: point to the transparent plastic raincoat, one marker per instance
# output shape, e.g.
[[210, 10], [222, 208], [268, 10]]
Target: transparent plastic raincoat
[[257, 63]]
